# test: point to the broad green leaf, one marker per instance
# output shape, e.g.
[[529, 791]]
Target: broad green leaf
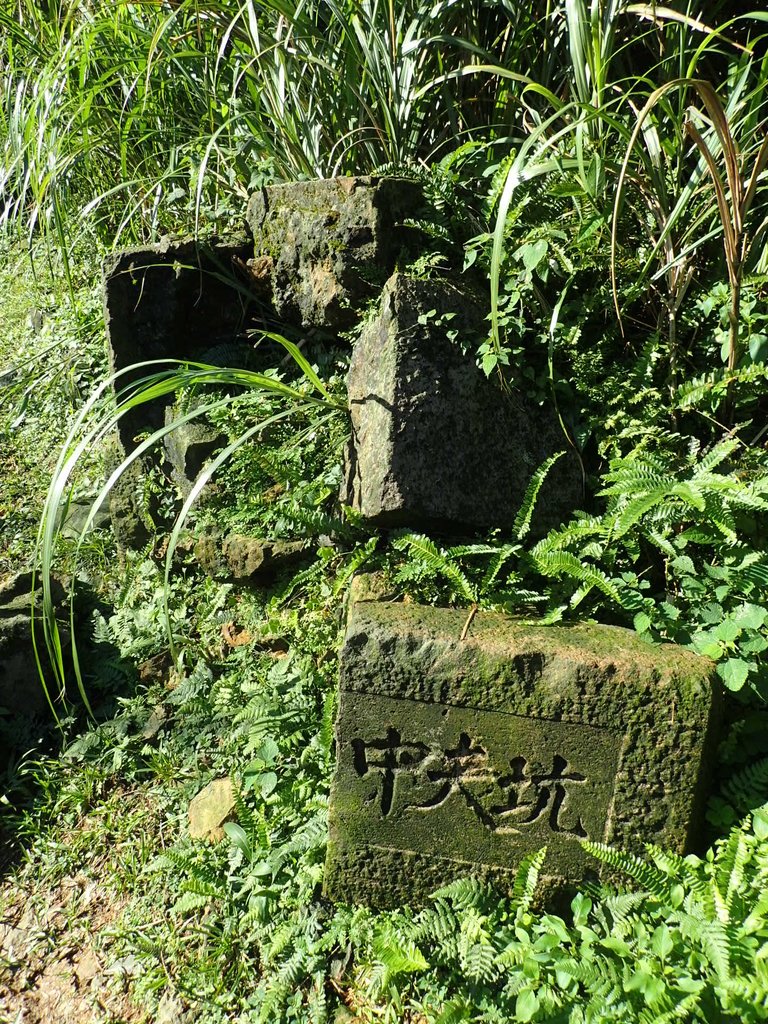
[[642, 622], [751, 616], [532, 253], [239, 838], [733, 672], [662, 942], [526, 1005]]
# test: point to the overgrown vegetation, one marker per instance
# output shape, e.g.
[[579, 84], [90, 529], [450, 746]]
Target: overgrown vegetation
[[591, 161]]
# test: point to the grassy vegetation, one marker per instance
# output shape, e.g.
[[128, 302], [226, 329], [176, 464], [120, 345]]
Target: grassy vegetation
[[583, 158]]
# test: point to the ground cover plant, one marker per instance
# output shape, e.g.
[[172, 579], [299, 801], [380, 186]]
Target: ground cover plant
[[600, 156]]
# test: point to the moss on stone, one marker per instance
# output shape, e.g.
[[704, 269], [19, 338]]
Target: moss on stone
[[484, 749]]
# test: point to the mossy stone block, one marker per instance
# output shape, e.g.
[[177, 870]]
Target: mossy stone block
[[460, 757], [324, 248], [436, 443]]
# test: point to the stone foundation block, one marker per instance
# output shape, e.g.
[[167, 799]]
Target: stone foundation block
[[324, 248], [459, 757], [21, 691], [435, 443], [173, 300]]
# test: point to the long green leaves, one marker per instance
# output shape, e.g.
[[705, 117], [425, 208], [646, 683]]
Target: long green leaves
[[734, 192], [145, 114], [98, 419]]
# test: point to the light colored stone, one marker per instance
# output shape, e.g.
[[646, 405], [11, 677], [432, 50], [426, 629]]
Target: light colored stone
[[211, 809]]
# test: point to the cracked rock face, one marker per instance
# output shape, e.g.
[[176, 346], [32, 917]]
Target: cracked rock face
[[21, 691], [435, 443], [326, 247]]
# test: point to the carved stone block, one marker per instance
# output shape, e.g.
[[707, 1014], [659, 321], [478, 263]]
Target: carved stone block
[[324, 248], [435, 443], [173, 300], [460, 757]]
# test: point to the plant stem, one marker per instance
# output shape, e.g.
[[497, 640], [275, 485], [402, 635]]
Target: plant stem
[[734, 353]]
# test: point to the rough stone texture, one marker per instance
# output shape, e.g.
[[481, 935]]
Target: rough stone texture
[[323, 248], [458, 757], [126, 510], [212, 808], [188, 447], [169, 301], [21, 691], [245, 559], [436, 443]]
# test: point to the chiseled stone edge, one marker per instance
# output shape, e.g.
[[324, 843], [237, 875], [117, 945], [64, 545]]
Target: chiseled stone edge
[[666, 697]]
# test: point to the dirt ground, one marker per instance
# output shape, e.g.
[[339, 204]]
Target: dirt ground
[[59, 960], [53, 958]]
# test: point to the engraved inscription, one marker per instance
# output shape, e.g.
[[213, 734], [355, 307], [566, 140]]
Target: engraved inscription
[[468, 783], [505, 802]]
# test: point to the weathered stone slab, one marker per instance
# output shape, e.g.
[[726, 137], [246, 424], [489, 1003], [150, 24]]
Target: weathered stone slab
[[21, 691], [458, 757], [245, 559], [324, 248], [173, 300], [436, 443], [188, 447]]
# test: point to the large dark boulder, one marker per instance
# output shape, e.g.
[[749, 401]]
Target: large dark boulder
[[174, 300], [435, 443]]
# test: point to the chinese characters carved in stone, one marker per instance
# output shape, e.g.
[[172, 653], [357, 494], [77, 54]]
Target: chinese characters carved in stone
[[417, 777]]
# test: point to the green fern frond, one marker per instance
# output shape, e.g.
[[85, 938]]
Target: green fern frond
[[679, 1011], [572, 534], [713, 938], [438, 923], [478, 962], [463, 893], [516, 981], [748, 788], [748, 995], [501, 556], [359, 558], [751, 572], [189, 901], [245, 816], [311, 835], [656, 882], [713, 386], [526, 880], [436, 562], [397, 952], [522, 523], [728, 870], [680, 869], [283, 938], [719, 514], [592, 974], [718, 455], [631, 513], [563, 563], [661, 542], [627, 478], [455, 1011], [622, 906]]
